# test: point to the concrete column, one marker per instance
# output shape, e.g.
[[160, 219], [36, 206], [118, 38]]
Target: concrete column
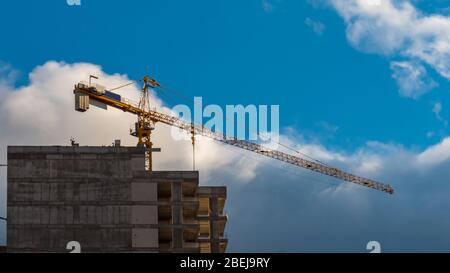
[[214, 233], [177, 216]]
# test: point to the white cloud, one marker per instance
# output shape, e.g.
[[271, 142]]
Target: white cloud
[[7, 74], [270, 5], [377, 28], [317, 26], [42, 112], [398, 28], [437, 110], [434, 155], [412, 79]]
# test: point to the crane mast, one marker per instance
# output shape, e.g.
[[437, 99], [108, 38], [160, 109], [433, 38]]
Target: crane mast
[[145, 125], [147, 118]]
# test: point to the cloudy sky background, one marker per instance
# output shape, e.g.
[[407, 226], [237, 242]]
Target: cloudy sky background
[[272, 206]]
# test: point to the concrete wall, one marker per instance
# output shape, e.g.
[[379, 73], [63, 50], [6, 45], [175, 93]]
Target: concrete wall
[[85, 194]]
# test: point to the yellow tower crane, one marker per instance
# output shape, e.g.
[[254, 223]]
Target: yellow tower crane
[[88, 93]]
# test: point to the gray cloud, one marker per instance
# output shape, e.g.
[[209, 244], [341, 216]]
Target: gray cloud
[[302, 213]]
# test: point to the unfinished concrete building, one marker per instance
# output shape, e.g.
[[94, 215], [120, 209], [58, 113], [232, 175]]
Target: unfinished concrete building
[[102, 198]]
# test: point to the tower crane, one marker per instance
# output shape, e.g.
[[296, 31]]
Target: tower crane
[[86, 93]]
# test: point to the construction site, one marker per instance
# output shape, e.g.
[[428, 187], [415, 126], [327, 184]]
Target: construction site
[[111, 199]]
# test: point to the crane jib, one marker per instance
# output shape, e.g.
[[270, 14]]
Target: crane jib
[[117, 101]]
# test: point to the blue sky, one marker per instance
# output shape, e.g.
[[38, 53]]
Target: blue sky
[[334, 89], [232, 52]]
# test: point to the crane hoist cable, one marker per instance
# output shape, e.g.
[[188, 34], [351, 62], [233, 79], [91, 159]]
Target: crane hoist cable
[[259, 135], [122, 86]]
